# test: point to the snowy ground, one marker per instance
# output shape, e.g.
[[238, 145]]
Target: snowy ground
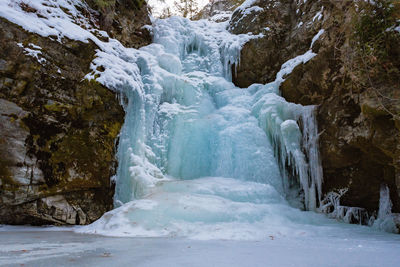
[[29, 246]]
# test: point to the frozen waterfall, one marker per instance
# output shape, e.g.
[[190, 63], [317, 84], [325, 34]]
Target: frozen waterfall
[[201, 158]]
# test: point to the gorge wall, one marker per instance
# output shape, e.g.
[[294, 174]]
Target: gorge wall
[[354, 80], [58, 131]]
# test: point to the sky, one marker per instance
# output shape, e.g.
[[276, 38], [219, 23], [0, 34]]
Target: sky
[[158, 6]]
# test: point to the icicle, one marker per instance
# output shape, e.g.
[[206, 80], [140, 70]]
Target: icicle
[[310, 145], [385, 220]]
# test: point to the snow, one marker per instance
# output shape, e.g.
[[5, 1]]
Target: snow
[[56, 24], [393, 28], [300, 24], [49, 20], [221, 16], [252, 9], [319, 15], [34, 46], [245, 5], [316, 37], [289, 65], [35, 53], [246, 8]]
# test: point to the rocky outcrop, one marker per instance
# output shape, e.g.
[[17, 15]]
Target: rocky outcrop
[[58, 131], [354, 80]]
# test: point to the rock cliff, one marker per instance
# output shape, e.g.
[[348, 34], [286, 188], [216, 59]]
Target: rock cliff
[[58, 131]]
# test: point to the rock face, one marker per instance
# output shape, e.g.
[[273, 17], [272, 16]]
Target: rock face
[[124, 20], [58, 131], [354, 79]]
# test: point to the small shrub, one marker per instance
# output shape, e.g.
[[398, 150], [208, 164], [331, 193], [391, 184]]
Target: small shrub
[[377, 53]]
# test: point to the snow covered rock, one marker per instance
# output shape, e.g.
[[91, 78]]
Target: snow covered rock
[[219, 10]]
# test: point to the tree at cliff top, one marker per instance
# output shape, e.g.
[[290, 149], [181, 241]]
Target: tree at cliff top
[[105, 4], [168, 8], [187, 8], [166, 13]]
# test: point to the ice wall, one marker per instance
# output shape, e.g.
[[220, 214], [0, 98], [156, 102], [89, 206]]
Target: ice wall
[[189, 128]]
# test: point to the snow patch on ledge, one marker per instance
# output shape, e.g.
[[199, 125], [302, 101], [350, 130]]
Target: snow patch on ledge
[[35, 52], [51, 18], [247, 8], [246, 4], [316, 37], [319, 15], [289, 65]]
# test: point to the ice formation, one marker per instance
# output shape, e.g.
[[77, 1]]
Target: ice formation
[[199, 155], [332, 207], [386, 220]]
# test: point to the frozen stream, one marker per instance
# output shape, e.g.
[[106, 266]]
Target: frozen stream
[[24, 246]]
